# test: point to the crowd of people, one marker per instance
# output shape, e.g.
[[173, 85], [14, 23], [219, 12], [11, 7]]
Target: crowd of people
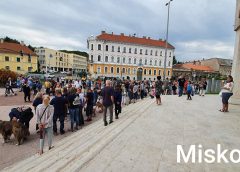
[[60, 100]]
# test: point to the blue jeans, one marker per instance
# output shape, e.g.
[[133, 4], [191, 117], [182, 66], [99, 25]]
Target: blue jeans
[[74, 116], [49, 133], [180, 91]]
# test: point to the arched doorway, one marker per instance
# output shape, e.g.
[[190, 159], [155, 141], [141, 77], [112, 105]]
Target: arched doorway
[[139, 74]]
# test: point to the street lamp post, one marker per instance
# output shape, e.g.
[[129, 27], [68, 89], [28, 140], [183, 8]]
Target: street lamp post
[[166, 45]]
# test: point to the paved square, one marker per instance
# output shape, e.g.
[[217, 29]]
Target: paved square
[[145, 139]]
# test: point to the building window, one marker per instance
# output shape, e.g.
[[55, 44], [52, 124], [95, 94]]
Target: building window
[[112, 48], [146, 52], [135, 61], [105, 70], [7, 67], [106, 58], [18, 59], [29, 58], [145, 61], [150, 72], [151, 62], [130, 50], [98, 70], [18, 68], [29, 69], [156, 53], [99, 46], [134, 71], [124, 49], [91, 58], [160, 63], [151, 52], [159, 72], [6, 58], [154, 72], [145, 71], [169, 63], [118, 59], [112, 71], [135, 51], [99, 58], [123, 70], [112, 59], [124, 60], [168, 73], [140, 62], [170, 54], [106, 47], [117, 69], [129, 71], [155, 63], [118, 48], [140, 51], [161, 53], [91, 46], [129, 61]]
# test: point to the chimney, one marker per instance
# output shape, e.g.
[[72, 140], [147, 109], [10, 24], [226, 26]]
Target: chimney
[[1, 40], [22, 43], [103, 32], [149, 37], [144, 37], [122, 34], [112, 33]]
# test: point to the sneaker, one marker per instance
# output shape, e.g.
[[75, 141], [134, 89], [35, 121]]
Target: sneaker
[[110, 122], [105, 123], [116, 117], [62, 132]]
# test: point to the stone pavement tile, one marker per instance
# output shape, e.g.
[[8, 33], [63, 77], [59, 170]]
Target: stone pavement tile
[[170, 167], [216, 167]]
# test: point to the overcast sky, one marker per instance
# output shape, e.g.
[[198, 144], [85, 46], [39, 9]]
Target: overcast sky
[[198, 28]]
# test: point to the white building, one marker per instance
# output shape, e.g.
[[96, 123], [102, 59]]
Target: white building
[[128, 56]]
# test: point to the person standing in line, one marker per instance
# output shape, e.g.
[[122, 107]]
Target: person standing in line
[[81, 105], [181, 82], [26, 91], [158, 90], [227, 92], [73, 109], [135, 92], [142, 89], [60, 104], [189, 90], [44, 113], [108, 100], [89, 101], [117, 101]]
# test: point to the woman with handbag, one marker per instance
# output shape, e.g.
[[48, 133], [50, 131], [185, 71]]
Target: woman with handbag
[[44, 114], [226, 93]]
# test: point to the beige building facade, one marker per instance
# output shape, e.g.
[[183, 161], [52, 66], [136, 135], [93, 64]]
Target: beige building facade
[[53, 60]]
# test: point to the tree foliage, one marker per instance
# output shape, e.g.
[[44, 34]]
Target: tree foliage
[[81, 53], [5, 74]]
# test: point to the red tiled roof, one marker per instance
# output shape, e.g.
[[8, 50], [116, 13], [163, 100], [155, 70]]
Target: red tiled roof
[[191, 66], [14, 48], [134, 40]]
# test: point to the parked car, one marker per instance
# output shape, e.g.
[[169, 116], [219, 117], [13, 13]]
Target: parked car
[[63, 72]]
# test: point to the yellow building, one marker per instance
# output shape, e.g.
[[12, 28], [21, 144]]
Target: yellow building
[[129, 57], [17, 57]]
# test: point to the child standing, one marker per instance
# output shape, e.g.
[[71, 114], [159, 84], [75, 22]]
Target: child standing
[[189, 91]]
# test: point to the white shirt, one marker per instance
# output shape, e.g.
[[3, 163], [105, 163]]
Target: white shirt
[[228, 85]]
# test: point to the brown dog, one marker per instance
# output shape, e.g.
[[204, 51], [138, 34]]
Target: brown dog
[[99, 106], [20, 131], [6, 130]]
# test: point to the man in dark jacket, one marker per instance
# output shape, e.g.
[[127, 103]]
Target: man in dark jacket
[[108, 100], [117, 100]]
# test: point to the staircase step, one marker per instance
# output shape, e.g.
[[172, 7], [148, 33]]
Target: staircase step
[[82, 145]]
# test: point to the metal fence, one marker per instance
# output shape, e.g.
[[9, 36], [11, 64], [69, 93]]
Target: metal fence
[[214, 86]]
